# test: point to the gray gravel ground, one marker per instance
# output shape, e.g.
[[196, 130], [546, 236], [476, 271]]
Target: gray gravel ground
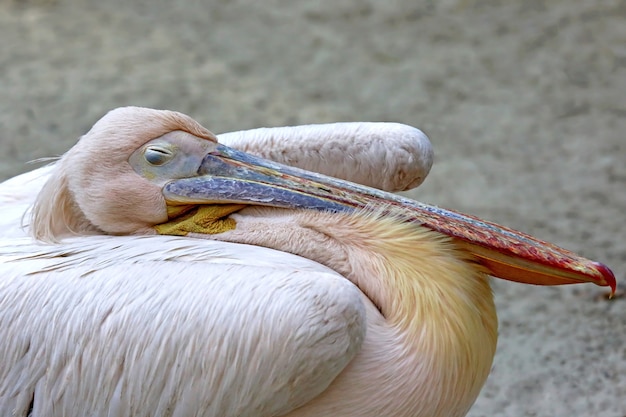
[[525, 102]]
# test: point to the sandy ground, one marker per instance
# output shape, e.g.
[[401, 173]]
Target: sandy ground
[[525, 102]]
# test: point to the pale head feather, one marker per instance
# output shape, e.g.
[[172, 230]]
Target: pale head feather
[[96, 170]]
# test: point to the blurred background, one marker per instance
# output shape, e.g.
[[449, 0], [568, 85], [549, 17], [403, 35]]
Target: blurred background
[[524, 101]]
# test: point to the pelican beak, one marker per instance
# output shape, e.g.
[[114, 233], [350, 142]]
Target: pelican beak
[[226, 176]]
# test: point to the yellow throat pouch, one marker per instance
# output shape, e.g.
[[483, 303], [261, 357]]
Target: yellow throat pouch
[[209, 219]]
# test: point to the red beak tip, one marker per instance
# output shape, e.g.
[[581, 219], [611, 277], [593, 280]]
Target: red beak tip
[[607, 275]]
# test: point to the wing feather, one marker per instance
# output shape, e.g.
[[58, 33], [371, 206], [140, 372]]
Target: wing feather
[[389, 156], [121, 326]]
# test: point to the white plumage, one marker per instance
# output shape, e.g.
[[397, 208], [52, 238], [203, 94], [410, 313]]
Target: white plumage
[[186, 327], [166, 324], [388, 156]]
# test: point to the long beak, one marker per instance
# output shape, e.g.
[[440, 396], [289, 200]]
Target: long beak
[[230, 176]]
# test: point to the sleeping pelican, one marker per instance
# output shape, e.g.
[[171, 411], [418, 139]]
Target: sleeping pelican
[[283, 292]]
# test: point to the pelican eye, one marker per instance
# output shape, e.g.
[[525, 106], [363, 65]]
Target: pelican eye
[[157, 155]]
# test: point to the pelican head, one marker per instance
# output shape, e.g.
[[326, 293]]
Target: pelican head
[[137, 168]]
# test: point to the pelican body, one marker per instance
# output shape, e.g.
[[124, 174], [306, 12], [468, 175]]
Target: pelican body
[[166, 274]]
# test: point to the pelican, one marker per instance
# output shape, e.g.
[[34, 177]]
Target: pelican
[[166, 274]]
